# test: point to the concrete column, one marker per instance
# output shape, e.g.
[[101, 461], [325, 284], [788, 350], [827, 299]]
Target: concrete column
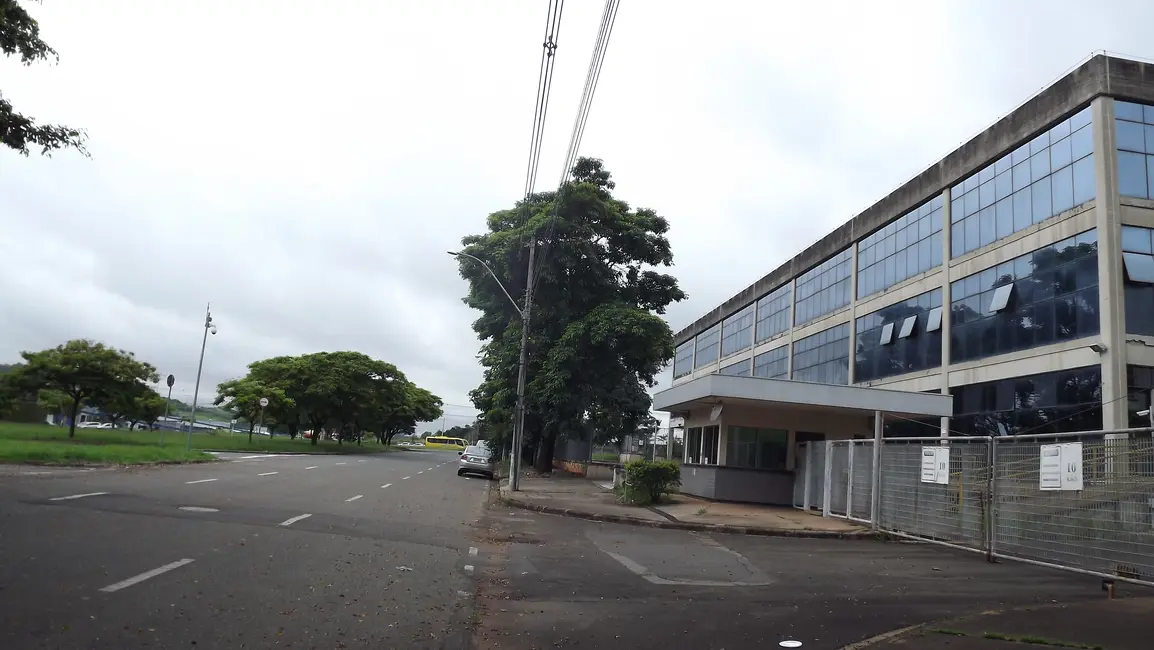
[[852, 309], [947, 229], [1111, 301], [792, 322]]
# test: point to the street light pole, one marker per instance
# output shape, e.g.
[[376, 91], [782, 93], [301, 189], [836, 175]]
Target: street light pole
[[200, 366], [522, 365]]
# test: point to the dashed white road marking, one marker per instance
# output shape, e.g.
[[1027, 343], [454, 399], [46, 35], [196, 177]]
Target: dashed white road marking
[[313, 467], [406, 478], [145, 576], [198, 509], [361, 460], [77, 496], [429, 470], [468, 568], [341, 463], [203, 480], [354, 498], [472, 551], [267, 474], [421, 472], [292, 520], [385, 485]]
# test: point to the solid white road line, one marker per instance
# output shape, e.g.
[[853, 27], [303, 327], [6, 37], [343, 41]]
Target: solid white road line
[[313, 467], [77, 496], [145, 576], [354, 498], [203, 480], [406, 478], [385, 485], [293, 520], [267, 474], [472, 551], [198, 509]]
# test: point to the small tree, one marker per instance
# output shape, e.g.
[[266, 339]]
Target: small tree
[[147, 407], [242, 398], [83, 370]]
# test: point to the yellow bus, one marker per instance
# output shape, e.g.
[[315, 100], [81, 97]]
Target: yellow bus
[[441, 442]]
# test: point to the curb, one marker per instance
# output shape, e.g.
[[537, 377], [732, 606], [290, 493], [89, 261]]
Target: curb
[[682, 525]]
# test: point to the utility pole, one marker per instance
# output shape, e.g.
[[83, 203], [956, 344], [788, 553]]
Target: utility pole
[[522, 369]]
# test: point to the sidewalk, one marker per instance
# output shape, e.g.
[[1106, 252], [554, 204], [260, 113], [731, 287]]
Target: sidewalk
[[579, 497], [1123, 624]]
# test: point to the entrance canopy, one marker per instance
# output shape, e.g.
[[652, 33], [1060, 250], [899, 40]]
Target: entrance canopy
[[712, 390]]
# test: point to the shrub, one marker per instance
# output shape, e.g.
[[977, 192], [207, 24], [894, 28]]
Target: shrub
[[646, 481]]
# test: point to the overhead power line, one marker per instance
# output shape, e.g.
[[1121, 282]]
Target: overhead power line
[[592, 77], [544, 86]]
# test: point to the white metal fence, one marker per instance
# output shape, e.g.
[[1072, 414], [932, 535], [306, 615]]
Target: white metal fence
[[1078, 501]]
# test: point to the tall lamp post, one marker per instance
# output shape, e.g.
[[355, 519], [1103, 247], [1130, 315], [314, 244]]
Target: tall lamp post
[[519, 415], [208, 327]]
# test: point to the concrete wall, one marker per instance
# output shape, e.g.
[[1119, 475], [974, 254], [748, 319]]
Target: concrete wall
[[738, 484]]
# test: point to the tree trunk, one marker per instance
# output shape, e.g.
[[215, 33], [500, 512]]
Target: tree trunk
[[546, 443], [72, 418], [251, 424]]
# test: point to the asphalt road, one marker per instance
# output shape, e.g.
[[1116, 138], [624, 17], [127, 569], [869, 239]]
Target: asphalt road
[[250, 552], [554, 582]]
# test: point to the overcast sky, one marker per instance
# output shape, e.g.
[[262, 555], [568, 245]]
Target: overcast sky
[[304, 166]]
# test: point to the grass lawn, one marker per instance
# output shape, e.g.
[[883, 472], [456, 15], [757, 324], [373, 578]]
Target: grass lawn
[[46, 444]]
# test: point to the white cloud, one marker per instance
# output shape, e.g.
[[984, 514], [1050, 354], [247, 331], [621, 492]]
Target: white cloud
[[306, 169]]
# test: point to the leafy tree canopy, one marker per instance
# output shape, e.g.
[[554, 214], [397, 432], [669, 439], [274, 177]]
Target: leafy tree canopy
[[85, 372], [596, 338], [20, 36]]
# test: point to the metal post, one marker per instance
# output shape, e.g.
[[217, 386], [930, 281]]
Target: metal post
[[876, 496], [166, 403], [808, 474], [261, 425], [522, 369], [827, 492], [849, 484], [991, 495], [199, 367]]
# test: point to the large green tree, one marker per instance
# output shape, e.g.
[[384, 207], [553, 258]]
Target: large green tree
[[241, 397], [596, 337], [20, 36], [419, 405], [83, 370]]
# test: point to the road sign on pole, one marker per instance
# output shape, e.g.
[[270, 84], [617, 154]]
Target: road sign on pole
[[263, 402], [171, 380]]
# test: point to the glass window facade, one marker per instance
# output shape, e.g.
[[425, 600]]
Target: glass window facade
[[737, 332], [1139, 383], [683, 359], [920, 350], [1056, 402], [756, 448], [823, 357], [1137, 256], [773, 364], [708, 345], [1134, 134], [739, 369], [1052, 173], [773, 313], [1054, 298], [910, 245], [701, 445], [824, 288]]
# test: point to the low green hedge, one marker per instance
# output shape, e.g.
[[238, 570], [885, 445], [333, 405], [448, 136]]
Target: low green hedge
[[647, 481]]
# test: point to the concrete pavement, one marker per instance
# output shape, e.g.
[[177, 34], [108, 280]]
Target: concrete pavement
[[257, 551], [556, 582]]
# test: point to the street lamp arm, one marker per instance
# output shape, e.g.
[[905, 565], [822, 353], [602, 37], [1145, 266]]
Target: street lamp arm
[[495, 278]]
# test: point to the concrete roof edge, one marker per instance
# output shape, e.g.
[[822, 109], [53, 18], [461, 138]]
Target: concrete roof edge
[[1101, 74]]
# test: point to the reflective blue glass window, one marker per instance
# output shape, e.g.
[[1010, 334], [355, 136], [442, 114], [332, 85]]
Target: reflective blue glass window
[[824, 288], [1134, 136], [683, 359], [1047, 176], [737, 332], [823, 357], [909, 245], [773, 364], [1137, 260], [1050, 295], [1056, 402], [921, 349], [773, 313], [739, 369], [708, 346]]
